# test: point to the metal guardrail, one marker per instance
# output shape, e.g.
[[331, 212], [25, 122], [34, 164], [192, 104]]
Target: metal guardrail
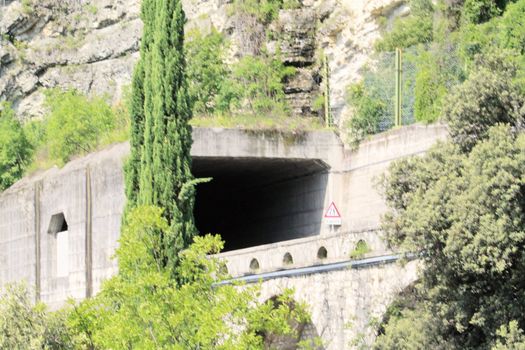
[[304, 271]]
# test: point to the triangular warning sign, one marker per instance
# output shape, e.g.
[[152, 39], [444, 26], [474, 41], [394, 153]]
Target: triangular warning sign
[[332, 212]]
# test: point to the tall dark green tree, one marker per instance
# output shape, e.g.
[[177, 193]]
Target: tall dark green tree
[[159, 169]]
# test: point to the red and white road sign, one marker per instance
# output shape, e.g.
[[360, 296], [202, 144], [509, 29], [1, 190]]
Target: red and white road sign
[[332, 215]]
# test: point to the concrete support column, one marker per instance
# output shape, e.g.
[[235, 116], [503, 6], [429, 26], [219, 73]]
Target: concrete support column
[[38, 189], [89, 235]]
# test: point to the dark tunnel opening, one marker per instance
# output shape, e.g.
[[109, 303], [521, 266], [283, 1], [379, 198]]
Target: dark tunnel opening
[[254, 201]]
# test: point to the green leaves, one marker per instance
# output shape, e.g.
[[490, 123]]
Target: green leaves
[[466, 213], [76, 124], [160, 162], [369, 111], [15, 150], [26, 326], [206, 69], [144, 308], [415, 29], [488, 97]]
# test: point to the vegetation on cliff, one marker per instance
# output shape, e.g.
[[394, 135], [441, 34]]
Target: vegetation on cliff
[[252, 86], [15, 149], [444, 44]]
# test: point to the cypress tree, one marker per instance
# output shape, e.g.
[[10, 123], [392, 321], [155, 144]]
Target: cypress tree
[[159, 169]]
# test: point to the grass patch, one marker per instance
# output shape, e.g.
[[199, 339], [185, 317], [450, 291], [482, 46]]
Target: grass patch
[[255, 122], [360, 250]]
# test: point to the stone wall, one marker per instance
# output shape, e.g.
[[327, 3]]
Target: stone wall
[[343, 302]]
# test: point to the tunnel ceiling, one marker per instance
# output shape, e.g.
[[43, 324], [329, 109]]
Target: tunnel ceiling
[[241, 173]]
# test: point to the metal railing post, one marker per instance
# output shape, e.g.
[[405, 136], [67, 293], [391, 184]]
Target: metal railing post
[[327, 114], [398, 101]]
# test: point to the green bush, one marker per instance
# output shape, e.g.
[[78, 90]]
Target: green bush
[[251, 86], [488, 97], [480, 11], [368, 113], [512, 30], [429, 93], [500, 32], [15, 149], [264, 10], [26, 326], [415, 29], [255, 86], [465, 213], [437, 69], [205, 68], [406, 32], [195, 314], [510, 337], [411, 330], [76, 124], [360, 250]]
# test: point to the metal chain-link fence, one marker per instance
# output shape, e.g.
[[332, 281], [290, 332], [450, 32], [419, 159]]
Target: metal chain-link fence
[[380, 82], [379, 79]]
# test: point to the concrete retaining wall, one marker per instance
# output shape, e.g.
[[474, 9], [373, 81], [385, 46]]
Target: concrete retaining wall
[[287, 211]]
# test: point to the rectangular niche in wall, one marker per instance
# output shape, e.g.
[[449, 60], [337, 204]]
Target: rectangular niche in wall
[[59, 228]]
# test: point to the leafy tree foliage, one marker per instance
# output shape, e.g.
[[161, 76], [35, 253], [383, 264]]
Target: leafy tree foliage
[[435, 74], [369, 110], [466, 214], [252, 86], [488, 97], [25, 326], [144, 308], [76, 124], [479, 11], [256, 86], [264, 10], [15, 149], [159, 170], [415, 29], [510, 337], [206, 69]]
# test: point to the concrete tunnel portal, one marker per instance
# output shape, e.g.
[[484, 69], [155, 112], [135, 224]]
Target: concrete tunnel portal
[[255, 201]]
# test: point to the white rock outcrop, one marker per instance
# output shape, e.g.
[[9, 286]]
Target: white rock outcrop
[[92, 45]]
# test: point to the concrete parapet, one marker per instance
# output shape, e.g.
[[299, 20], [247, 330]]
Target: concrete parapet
[[303, 252]]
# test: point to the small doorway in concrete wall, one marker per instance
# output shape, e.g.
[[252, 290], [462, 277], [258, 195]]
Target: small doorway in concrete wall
[[255, 201], [59, 228]]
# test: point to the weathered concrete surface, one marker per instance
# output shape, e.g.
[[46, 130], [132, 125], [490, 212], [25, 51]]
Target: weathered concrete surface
[[315, 170], [304, 252], [342, 303]]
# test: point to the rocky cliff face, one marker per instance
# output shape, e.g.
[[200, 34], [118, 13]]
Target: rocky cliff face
[[92, 45]]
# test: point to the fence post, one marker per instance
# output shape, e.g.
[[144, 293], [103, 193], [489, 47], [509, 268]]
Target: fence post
[[327, 114], [398, 101]]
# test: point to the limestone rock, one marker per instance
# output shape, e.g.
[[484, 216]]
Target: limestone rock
[[301, 90], [6, 53], [297, 32], [92, 45]]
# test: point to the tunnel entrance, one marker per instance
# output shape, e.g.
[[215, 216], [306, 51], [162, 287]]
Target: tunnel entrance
[[254, 201]]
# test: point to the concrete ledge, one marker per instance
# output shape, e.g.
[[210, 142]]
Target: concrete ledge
[[393, 144], [237, 143]]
